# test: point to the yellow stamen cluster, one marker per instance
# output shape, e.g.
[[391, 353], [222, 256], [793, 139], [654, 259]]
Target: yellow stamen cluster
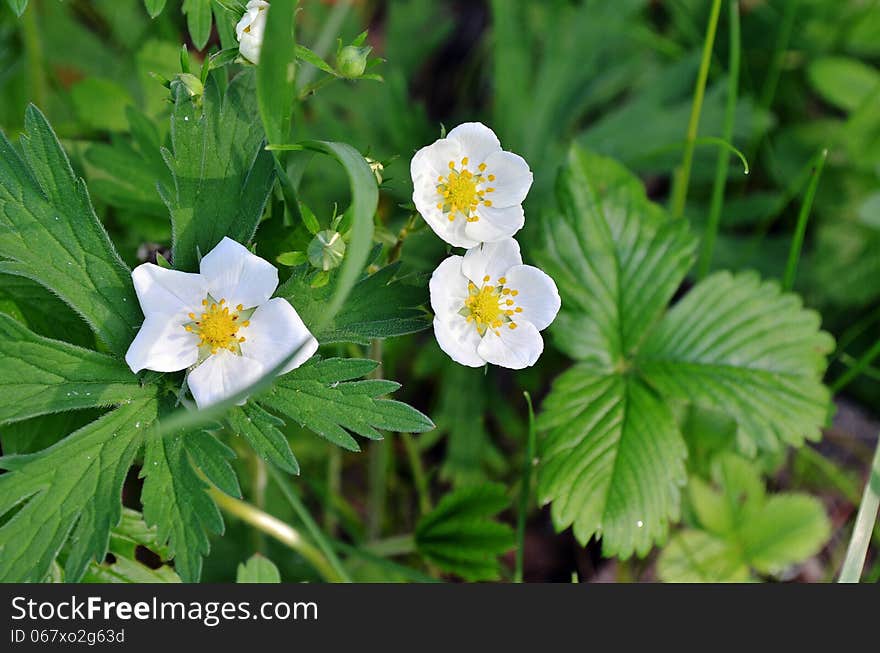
[[462, 191], [491, 306], [217, 327]]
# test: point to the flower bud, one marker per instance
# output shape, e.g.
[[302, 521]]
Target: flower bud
[[249, 30], [352, 61], [191, 83], [376, 167], [326, 250]]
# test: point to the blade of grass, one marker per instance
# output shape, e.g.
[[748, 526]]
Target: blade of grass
[[683, 173], [723, 164], [857, 550], [524, 494], [797, 242], [856, 369], [312, 527]]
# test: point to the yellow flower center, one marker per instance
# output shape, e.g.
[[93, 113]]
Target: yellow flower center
[[491, 306], [217, 327], [462, 191]]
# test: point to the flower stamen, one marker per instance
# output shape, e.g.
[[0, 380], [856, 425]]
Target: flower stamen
[[489, 307], [217, 327], [461, 191]]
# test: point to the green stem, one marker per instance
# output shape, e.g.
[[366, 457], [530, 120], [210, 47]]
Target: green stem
[[334, 489], [723, 164], [418, 472], [683, 173], [377, 470], [857, 550], [524, 494], [33, 48], [860, 366], [284, 533], [797, 241], [329, 31], [391, 546], [306, 518]]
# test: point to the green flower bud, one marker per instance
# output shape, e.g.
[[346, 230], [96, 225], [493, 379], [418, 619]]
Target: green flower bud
[[191, 83], [326, 250], [352, 61]]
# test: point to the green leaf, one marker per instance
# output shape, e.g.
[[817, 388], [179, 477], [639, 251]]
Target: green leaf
[[222, 175], [276, 72], [320, 397], [154, 7], [364, 199], [18, 6], [843, 81], [198, 21], [50, 233], [257, 569], [176, 502], [41, 311], [699, 557], [101, 104], [616, 258], [460, 535], [261, 430], [43, 376], [789, 528], [70, 491], [303, 53], [379, 306], [741, 346], [612, 461], [212, 457]]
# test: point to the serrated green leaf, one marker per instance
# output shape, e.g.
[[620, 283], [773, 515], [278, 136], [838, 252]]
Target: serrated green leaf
[[49, 233], [612, 461], [261, 431], [154, 7], [222, 175], [616, 258], [377, 307], [43, 376], [699, 557], [71, 490], [41, 311], [788, 529], [132, 532], [175, 501], [320, 397], [741, 346], [257, 569], [276, 72], [212, 457], [198, 21], [460, 535]]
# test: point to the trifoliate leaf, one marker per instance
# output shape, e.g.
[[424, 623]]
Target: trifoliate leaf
[[321, 397], [261, 430], [461, 535], [612, 461], [222, 175], [175, 501], [699, 557], [748, 350], [257, 569], [49, 233], [71, 490], [43, 376], [377, 307]]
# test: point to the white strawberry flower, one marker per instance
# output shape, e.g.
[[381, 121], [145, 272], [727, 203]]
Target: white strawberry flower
[[468, 189], [220, 323], [490, 308], [249, 30]]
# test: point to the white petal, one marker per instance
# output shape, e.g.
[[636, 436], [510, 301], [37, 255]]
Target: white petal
[[276, 331], [496, 224], [477, 141], [162, 345], [513, 179], [453, 232], [448, 287], [222, 375], [512, 348], [491, 259], [537, 295], [160, 290], [459, 340], [249, 47], [234, 274]]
